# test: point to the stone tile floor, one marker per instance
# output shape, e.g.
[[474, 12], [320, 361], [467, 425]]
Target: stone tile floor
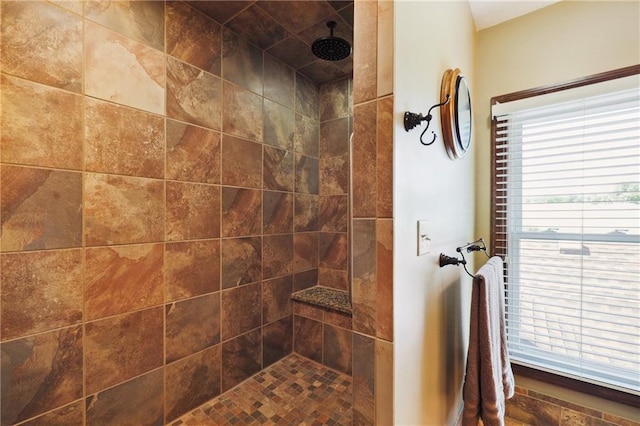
[[293, 391]]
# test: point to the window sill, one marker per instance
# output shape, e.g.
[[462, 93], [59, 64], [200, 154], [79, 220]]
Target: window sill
[[577, 385]]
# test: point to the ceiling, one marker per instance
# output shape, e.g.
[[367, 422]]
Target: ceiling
[[286, 29], [487, 13]]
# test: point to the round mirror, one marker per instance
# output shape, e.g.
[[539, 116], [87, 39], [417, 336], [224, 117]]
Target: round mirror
[[455, 116]]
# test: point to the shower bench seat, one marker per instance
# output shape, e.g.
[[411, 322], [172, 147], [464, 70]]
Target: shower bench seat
[[325, 297]]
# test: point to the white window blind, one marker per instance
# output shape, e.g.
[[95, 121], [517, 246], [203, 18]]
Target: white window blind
[[567, 219]]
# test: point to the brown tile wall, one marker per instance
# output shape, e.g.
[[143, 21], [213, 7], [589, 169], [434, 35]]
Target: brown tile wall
[[163, 192], [361, 344], [528, 407], [372, 170], [322, 335], [336, 122]]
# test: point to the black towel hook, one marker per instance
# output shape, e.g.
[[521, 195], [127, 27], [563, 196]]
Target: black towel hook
[[411, 120]]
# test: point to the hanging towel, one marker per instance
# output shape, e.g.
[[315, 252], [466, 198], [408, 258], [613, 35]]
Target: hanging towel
[[488, 378]]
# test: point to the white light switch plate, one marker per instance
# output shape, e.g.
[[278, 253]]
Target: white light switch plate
[[424, 240]]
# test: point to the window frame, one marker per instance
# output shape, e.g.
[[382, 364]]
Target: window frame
[[526, 371]]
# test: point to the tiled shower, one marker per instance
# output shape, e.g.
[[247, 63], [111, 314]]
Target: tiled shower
[[166, 186]]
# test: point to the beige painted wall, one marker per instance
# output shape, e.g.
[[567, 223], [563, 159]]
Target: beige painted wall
[[561, 42], [430, 304], [567, 40]]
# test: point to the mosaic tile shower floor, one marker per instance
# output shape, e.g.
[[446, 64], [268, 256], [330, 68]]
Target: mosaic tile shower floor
[[293, 391]]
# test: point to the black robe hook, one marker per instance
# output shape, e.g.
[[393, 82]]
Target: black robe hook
[[411, 120]]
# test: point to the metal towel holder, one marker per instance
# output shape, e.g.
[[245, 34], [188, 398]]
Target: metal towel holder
[[477, 245]]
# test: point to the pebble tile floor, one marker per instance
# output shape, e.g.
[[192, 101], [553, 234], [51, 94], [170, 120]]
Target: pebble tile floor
[[293, 391]]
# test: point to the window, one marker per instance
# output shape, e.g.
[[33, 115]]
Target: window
[[566, 217]]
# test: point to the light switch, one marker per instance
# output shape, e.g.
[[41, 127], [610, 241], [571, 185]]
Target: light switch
[[424, 241]]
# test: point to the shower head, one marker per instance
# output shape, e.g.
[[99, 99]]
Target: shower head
[[331, 48]]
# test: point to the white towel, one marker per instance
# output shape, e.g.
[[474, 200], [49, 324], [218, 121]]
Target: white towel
[[488, 378]]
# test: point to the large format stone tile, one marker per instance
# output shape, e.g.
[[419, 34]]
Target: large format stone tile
[[322, 71], [279, 125], [124, 71], [241, 162], [277, 255], [364, 277], [306, 136], [334, 138], [72, 414], [142, 21], [384, 279], [193, 153], [37, 33], [278, 82], [193, 95], [334, 175], [276, 298], [192, 37], [123, 141], [40, 291], [295, 15], [278, 169], [384, 382], [277, 340], [384, 158], [258, 27], [40, 125], [74, 6], [122, 210], [532, 411], [192, 381], [40, 373], [240, 358], [318, 27], [241, 310], [242, 113], [333, 250], [277, 212], [241, 212], [305, 251], [305, 279], [305, 213], [192, 325], [307, 175], [334, 100], [242, 62], [120, 348], [193, 211], [307, 97], [293, 52], [192, 268], [333, 278], [123, 279], [364, 379], [333, 213], [363, 162], [307, 337], [241, 261], [221, 11], [136, 402], [365, 58], [40, 209], [337, 346]]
